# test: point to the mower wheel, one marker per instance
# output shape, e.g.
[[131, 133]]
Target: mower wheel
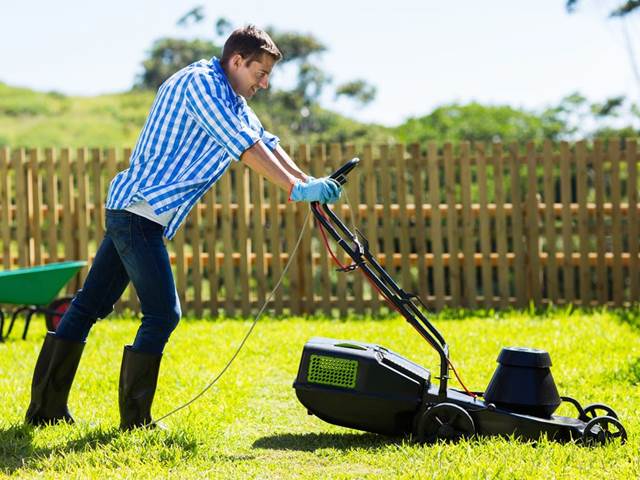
[[444, 421], [59, 306], [598, 410], [601, 430]]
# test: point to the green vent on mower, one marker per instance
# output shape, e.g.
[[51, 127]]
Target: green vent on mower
[[337, 372]]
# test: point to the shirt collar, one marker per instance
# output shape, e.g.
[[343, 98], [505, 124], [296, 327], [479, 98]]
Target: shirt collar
[[215, 63]]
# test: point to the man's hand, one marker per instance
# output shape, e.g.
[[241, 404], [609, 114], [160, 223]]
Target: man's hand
[[323, 190]]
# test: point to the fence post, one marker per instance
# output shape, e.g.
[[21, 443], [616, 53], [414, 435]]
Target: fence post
[[319, 163], [258, 235], [211, 238], [275, 236], [582, 166], [418, 166], [501, 226], [242, 217], [517, 229], [468, 229], [532, 236], [35, 208], [5, 207], [616, 221], [306, 267], [453, 245], [21, 208], [484, 221], [335, 160], [353, 191], [435, 225], [227, 266], [550, 222], [632, 188], [82, 220], [52, 204], [196, 258]]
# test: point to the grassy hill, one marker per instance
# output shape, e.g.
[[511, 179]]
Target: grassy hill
[[38, 119]]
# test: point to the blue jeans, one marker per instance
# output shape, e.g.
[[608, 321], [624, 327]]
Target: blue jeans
[[132, 249]]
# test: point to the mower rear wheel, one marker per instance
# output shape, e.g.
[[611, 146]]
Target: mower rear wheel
[[444, 421], [598, 410], [59, 306], [601, 430]]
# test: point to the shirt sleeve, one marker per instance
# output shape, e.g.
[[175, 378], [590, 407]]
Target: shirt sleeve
[[215, 116], [268, 138]]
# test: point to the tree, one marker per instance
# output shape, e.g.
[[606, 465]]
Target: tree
[[476, 122], [357, 90], [195, 15], [621, 10], [168, 55]]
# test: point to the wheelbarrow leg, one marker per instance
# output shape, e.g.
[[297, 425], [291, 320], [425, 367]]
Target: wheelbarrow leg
[[52, 378], [1, 326], [27, 321]]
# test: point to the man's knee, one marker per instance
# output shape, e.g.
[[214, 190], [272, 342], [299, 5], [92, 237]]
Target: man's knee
[[173, 317], [82, 308]]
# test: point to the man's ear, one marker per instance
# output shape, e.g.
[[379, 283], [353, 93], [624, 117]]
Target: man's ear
[[236, 61]]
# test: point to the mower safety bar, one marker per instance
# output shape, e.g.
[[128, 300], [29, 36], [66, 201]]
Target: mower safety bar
[[357, 247], [341, 174]]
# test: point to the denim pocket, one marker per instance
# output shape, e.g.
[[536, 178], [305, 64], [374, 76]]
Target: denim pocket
[[118, 227]]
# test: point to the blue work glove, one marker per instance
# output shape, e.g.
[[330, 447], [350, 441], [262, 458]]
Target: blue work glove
[[323, 190]]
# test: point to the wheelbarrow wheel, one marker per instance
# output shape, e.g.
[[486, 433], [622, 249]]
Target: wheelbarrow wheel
[[57, 307]]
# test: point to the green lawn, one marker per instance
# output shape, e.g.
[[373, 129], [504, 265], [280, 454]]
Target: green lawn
[[250, 425]]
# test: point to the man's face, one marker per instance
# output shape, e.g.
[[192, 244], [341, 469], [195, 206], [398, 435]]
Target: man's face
[[246, 79]]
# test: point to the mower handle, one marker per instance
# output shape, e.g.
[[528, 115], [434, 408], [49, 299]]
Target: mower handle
[[341, 173]]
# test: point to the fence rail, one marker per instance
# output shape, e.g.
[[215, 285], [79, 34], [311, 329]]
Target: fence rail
[[462, 225]]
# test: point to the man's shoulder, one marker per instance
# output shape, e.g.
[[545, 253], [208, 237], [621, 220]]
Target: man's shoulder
[[203, 73]]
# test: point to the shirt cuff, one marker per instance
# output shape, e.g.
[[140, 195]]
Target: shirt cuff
[[244, 139], [270, 140]]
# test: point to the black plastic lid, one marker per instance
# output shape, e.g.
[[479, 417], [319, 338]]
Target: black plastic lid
[[524, 357]]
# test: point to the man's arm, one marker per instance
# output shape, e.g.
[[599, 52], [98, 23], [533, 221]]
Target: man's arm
[[288, 164], [263, 161]]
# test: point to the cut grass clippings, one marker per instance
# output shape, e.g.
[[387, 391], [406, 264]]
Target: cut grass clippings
[[250, 424]]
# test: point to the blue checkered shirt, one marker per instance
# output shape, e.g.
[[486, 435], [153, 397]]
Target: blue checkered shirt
[[196, 126]]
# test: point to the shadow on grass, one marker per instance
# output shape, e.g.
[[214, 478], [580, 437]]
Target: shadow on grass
[[17, 450], [630, 316], [309, 442], [628, 374]]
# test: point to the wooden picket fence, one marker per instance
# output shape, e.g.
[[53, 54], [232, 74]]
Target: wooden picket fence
[[476, 226]]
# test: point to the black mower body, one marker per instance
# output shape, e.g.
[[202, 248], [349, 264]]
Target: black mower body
[[368, 387], [360, 385]]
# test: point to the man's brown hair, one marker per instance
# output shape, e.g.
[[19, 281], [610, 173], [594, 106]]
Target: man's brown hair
[[251, 43]]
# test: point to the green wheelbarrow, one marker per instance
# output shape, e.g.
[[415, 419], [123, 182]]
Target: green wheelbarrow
[[35, 290]]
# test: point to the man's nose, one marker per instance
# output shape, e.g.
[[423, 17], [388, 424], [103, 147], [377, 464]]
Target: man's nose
[[264, 83]]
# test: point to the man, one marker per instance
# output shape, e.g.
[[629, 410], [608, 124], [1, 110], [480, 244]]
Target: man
[[198, 124]]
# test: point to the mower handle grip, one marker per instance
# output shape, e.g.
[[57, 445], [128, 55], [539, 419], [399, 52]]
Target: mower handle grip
[[340, 175]]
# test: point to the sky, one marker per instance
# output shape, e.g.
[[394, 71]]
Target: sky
[[419, 54]]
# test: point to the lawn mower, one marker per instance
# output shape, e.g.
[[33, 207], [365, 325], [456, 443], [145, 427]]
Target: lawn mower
[[368, 387]]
